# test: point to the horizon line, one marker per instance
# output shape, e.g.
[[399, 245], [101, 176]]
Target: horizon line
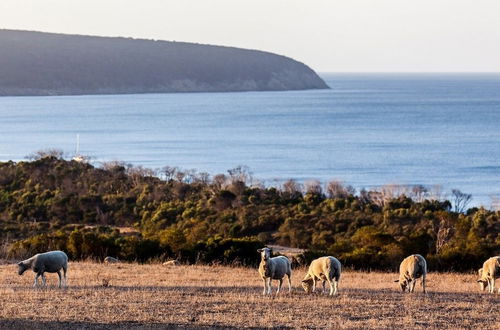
[[407, 72]]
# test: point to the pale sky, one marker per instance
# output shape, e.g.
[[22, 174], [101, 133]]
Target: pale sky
[[328, 35]]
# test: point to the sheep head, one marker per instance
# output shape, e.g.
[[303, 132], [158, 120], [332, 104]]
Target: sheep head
[[307, 285], [265, 253], [21, 268], [403, 284], [483, 283]]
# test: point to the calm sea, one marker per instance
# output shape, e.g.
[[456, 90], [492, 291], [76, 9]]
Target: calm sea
[[368, 130]]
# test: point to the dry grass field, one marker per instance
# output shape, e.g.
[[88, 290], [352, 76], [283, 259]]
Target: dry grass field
[[153, 296]]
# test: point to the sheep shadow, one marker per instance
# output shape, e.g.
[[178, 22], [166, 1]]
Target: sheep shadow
[[417, 293], [356, 293], [166, 289], [63, 325]]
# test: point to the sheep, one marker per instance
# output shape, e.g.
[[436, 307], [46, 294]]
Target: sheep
[[488, 274], [274, 269], [327, 269], [51, 262], [411, 268], [171, 263], [111, 260]]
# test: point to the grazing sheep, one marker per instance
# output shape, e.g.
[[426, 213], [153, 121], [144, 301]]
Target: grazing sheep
[[274, 269], [411, 268], [111, 260], [51, 262], [488, 274], [326, 269], [171, 263]]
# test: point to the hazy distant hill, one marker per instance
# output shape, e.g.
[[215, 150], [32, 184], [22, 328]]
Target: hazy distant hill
[[36, 63]]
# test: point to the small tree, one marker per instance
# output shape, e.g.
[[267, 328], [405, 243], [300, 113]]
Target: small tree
[[313, 187], [169, 172], [460, 200], [218, 182], [240, 173], [291, 187], [419, 193], [336, 189], [444, 233]]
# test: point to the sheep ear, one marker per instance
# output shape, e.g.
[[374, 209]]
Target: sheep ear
[[19, 263], [396, 281]]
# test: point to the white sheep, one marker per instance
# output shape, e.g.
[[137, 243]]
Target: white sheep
[[171, 263], [488, 274], [51, 262], [412, 268], [111, 260], [326, 269], [274, 269]]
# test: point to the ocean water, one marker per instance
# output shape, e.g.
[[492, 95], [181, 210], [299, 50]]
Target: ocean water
[[367, 130]]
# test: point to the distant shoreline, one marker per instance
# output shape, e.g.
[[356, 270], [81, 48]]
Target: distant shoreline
[[45, 64], [161, 93]]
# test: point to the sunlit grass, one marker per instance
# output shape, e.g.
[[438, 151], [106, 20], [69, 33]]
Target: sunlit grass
[[145, 296]]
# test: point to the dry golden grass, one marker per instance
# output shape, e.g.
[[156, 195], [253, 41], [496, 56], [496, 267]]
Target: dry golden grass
[[154, 296]]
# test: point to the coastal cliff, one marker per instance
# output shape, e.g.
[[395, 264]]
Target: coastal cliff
[[37, 63]]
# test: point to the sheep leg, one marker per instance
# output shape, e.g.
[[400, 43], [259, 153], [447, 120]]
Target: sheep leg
[[269, 286], [280, 283], [44, 282], [265, 286], [35, 283], [423, 283], [324, 288], [331, 287], [60, 277], [412, 285], [491, 283], [335, 286], [289, 282], [314, 284], [65, 278]]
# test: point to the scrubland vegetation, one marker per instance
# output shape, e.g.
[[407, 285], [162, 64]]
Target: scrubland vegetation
[[139, 214], [150, 296]]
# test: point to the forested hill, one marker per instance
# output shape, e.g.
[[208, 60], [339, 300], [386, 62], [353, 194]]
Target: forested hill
[[51, 203], [36, 63]]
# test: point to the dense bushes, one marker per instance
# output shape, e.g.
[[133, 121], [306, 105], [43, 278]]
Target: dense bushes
[[52, 203], [99, 242]]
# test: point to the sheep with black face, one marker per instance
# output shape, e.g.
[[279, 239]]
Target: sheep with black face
[[274, 269]]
